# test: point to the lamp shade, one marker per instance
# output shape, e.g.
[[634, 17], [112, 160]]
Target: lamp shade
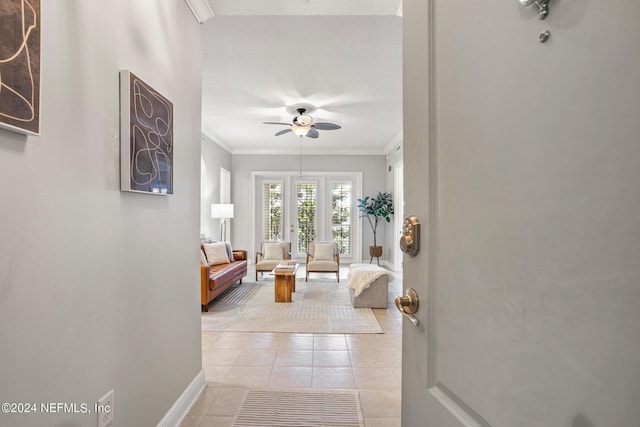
[[222, 210]]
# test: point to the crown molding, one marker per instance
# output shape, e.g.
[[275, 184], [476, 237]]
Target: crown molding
[[394, 142], [201, 10], [309, 152], [209, 133]]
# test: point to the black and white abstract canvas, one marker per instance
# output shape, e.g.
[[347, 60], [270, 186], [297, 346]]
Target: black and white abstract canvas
[[20, 66], [146, 137]]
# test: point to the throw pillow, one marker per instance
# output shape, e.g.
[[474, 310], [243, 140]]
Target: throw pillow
[[273, 251], [229, 251], [323, 252], [216, 253], [203, 258]]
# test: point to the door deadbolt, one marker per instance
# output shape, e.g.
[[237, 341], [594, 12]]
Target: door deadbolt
[[410, 240], [408, 305]]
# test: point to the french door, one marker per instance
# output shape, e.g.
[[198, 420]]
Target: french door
[[305, 222], [311, 208]]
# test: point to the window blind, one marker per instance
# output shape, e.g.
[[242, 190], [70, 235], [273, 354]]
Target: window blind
[[272, 211], [341, 216]]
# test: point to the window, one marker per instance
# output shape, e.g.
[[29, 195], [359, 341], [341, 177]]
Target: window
[[304, 209], [306, 212], [272, 211], [341, 216]]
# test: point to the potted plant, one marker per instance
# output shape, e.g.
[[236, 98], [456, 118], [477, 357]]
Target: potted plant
[[375, 209]]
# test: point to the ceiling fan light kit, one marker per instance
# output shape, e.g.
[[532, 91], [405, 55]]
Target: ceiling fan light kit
[[303, 125], [301, 130], [303, 120]]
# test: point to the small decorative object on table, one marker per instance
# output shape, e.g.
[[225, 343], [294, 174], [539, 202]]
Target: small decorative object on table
[[285, 267]]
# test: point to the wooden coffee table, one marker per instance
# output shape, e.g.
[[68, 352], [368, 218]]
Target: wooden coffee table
[[285, 281]]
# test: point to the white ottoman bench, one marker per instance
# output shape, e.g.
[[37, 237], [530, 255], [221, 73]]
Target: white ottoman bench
[[368, 286]]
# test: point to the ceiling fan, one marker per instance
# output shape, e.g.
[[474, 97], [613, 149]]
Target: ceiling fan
[[303, 125]]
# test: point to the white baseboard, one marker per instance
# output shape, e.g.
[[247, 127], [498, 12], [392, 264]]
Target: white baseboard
[[179, 410]]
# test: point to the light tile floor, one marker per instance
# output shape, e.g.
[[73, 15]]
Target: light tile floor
[[234, 362]]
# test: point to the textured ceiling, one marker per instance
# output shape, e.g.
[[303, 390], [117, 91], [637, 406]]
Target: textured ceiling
[[262, 59]]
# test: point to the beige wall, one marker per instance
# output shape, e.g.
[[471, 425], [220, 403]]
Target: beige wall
[[214, 157], [98, 288]]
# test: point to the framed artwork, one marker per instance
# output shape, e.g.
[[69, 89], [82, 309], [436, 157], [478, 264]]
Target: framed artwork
[[20, 66], [146, 138]]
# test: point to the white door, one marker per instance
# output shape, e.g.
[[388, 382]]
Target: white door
[[398, 213], [522, 159]]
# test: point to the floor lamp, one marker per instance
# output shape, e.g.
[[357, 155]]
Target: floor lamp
[[222, 211]]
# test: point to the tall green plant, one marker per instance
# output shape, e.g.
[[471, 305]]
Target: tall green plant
[[376, 209]]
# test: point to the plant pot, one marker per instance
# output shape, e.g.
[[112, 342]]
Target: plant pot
[[375, 251]]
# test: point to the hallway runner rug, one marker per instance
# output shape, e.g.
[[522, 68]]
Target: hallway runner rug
[[304, 408]]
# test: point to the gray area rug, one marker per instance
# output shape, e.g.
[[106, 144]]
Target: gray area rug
[[308, 408], [319, 306]]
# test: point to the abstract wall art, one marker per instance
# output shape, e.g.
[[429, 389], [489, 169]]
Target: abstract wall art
[[146, 138], [20, 66]]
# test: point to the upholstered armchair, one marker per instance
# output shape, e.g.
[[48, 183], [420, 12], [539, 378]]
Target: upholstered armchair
[[323, 257], [270, 255]]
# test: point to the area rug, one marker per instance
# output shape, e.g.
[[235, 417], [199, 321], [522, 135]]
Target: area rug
[[304, 408], [319, 306]]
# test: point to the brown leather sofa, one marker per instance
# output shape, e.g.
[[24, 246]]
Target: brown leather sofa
[[215, 279]]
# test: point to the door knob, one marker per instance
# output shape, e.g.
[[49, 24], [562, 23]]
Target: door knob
[[408, 305]]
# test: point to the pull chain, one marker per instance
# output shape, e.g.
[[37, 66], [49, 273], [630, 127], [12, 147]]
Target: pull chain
[[300, 157]]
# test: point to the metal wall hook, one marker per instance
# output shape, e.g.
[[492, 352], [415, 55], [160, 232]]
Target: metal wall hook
[[543, 6], [544, 36]]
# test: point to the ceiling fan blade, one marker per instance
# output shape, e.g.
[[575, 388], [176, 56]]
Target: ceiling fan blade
[[326, 126], [282, 132], [277, 123], [313, 133]]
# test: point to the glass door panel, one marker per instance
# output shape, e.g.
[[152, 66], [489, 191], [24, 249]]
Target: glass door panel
[[341, 216], [272, 211], [305, 227]]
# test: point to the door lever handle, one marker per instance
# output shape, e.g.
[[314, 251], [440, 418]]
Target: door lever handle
[[408, 305]]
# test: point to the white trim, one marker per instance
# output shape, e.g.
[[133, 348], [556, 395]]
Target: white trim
[[201, 10], [310, 151], [390, 148], [210, 133], [456, 409], [252, 216], [386, 263], [179, 410]]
